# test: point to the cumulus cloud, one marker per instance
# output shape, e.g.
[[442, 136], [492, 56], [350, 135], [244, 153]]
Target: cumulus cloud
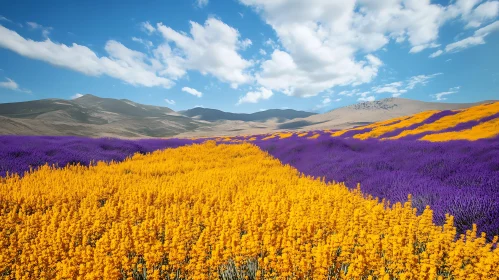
[[192, 91], [262, 52], [440, 96], [77, 95], [171, 102], [321, 40], [255, 96], [45, 30], [130, 66], [12, 85], [211, 49]]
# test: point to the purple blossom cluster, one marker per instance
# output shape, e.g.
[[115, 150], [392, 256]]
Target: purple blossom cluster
[[20, 153], [457, 177]]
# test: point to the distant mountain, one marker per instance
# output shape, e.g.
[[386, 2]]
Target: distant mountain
[[93, 116], [213, 115], [369, 112], [122, 106]]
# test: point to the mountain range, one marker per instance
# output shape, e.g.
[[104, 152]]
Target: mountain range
[[94, 116]]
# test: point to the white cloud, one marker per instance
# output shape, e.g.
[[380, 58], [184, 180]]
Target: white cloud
[[262, 52], [45, 30], [245, 43], [173, 64], [147, 27], [401, 87], [2, 18], [9, 84], [171, 102], [420, 80], [130, 66], [271, 43], [255, 96], [435, 54], [12, 85], [481, 14], [211, 49], [192, 91], [321, 39], [349, 93], [241, 15], [326, 102], [77, 95], [419, 48], [148, 44], [393, 88], [486, 10], [478, 38], [440, 96], [465, 43], [484, 31], [368, 98], [202, 3]]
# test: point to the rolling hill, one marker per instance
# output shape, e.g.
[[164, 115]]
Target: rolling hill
[[94, 116], [369, 112], [211, 115]]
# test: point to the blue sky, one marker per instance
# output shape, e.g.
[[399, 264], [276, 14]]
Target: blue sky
[[249, 55]]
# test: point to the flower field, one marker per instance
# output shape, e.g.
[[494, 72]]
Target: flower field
[[410, 198], [214, 211]]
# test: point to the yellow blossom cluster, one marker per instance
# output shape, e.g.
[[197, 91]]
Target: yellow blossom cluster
[[212, 211], [471, 114], [379, 130], [373, 125], [481, 131]]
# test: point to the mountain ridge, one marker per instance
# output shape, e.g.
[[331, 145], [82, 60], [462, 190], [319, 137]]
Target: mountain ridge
[[95, 116]]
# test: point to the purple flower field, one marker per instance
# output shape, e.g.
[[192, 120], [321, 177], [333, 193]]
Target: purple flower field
[[457, 177], [20, 153]]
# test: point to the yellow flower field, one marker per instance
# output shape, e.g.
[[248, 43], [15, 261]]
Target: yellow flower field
[[219, 212]]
